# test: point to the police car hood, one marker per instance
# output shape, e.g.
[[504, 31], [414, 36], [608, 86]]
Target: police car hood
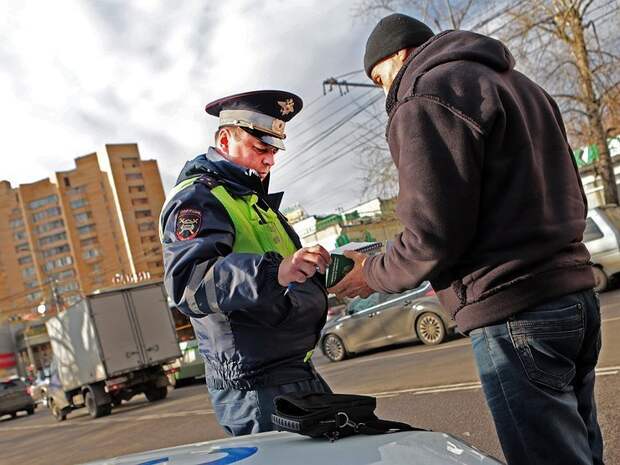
[[239, 180], [418, 447]]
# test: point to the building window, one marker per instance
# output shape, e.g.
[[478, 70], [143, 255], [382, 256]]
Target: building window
[[143, 214], [88, 228], [35, 296], [53, 238], [55, 250], [23, 247], [61, 275], [43, 201], [78, 203], [67, 182], [16, 223], [45, 227], [148, 239], [28, 272], [149, 226], [133, 176], [90, 253], [96, 268], [70, 286], [24, 260], [19, 235], [134, 189], [32, 284], [140, 201], [88, 241], [57, 263], [81, 217], [76, 190], [52, 211]]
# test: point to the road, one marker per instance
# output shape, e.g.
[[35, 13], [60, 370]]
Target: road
[[431, 387]]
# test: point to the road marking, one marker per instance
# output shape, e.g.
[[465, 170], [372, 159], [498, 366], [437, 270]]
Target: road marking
[[117, 419], [603, 371]]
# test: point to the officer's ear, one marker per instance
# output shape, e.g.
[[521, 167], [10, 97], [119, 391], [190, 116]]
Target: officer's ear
[[222, 139]]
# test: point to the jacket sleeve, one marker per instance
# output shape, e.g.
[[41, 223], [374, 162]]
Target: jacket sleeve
[[202, 275], [438, 153]]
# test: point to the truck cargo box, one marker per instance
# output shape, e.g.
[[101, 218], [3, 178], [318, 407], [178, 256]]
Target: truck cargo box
[[112, 333]]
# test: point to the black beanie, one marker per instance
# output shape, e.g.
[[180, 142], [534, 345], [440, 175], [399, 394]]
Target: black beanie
[[393, 33]]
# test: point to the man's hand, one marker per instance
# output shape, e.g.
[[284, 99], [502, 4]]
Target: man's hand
[[354, 283], [303, 264]]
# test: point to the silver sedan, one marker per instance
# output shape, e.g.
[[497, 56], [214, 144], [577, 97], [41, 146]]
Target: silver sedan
[[385, 319]]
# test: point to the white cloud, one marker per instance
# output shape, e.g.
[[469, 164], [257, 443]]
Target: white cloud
[[75, 75]]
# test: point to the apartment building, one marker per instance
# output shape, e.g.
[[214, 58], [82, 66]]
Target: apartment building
[[89, 228]]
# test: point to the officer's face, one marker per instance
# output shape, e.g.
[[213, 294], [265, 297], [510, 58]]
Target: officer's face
[[384, 72], [245, 150]]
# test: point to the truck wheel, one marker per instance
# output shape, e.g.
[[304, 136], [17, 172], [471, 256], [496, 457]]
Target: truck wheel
[[600, 279], [154, 394], [96, 411], [30, 410], [58, 413]]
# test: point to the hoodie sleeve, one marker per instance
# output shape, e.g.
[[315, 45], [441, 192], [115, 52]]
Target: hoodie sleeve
[[201, 273], [438, 152]]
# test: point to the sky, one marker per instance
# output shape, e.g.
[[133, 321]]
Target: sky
[[76, 75]]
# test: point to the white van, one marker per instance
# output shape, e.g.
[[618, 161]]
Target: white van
[[602, 238]]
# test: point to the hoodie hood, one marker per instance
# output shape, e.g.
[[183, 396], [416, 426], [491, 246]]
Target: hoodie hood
[[449, 46]]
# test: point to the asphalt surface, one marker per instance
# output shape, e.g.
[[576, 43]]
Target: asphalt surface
[[431, 387]]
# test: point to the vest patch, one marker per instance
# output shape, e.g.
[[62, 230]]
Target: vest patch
[[188, 224]]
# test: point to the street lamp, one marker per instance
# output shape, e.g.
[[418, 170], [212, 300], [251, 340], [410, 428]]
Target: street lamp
[[41, 309]]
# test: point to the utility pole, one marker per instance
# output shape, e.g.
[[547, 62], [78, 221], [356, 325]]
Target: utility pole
[[343, 85]]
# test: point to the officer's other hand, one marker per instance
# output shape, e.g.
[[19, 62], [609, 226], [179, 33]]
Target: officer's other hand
[[303, 265], [354, 283]]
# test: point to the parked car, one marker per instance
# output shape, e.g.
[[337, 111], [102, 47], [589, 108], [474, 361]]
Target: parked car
[[189, 367], [14, 398], [385, 319], [602, 238]]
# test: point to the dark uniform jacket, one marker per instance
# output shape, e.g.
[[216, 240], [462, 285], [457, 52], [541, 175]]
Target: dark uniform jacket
[[252, 331], [490, 196]]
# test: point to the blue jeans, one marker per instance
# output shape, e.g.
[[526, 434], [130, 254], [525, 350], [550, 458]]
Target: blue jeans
[[249, 412], [537, 373]]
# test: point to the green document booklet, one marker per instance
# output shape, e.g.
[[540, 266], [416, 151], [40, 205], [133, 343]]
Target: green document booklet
[[341, 265]]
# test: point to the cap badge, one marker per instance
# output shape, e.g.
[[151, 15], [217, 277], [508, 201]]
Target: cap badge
[[286, 107]]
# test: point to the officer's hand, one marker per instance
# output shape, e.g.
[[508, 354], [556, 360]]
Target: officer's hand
[[354, 283], [303, 264]]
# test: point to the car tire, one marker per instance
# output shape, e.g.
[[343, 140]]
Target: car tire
[[30, 410], [153, 394], [333, 348], [601, 280], [57, 413], [430, 328], [94, 410]]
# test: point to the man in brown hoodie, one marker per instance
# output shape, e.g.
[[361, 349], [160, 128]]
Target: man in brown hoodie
[[493, 212]]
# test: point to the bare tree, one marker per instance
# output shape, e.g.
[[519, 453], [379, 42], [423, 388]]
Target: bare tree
[[568, 47], [441, 14]]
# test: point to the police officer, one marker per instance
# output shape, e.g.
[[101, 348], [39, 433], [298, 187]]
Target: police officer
[[237, 269]]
